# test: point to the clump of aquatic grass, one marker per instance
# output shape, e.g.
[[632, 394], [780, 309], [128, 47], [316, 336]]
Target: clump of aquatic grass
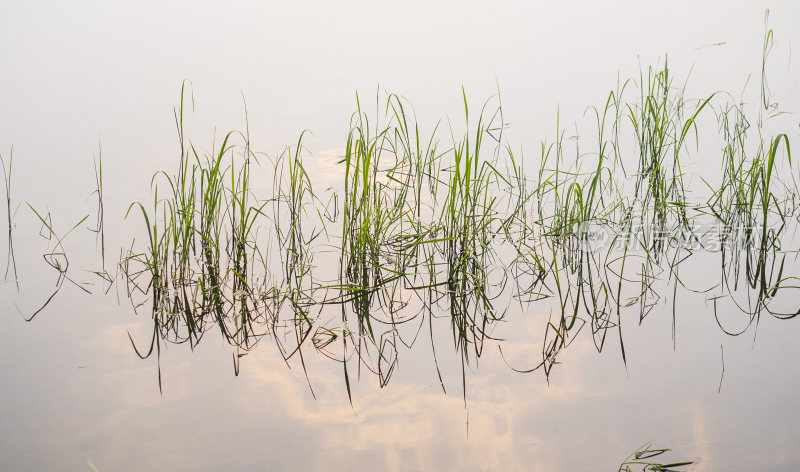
[[197, 266], [295, 195], [653, 121], [382, 202], [644, 460], [729, 202], [752, 219], [243, 211], [584, 204], [369, 218], [468, 224], [751, 204], [661, 134], [418, 226], [468, 216], [421, 231], [428, 232], [295, 199]]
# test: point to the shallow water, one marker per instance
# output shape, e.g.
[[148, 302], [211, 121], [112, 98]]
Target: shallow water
[[76, 397]]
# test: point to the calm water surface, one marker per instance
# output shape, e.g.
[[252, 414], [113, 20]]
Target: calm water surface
[[75, 396]]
